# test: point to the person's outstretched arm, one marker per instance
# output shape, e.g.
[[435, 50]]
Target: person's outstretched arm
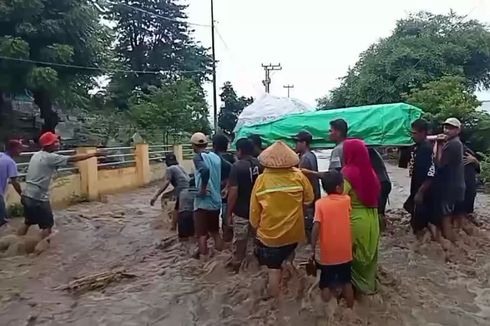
[[82, 157], [160, 191]]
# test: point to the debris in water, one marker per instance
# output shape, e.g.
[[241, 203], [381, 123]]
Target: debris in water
[[95, 281]]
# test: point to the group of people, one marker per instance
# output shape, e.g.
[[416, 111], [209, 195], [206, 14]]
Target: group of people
[[443, 183], [270, 199]]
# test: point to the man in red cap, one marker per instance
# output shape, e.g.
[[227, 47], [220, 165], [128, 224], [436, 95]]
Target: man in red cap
[[35, 197], [8, 173]]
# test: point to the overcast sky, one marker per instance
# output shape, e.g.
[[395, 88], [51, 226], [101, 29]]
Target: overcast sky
[[314, 40]]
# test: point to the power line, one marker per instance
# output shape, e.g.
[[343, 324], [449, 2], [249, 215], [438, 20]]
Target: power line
[[267, 70], [288, 87], [156, 15], [55, 64]]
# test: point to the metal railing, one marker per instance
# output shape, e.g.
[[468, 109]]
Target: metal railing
[[117, 157], [157, 153]]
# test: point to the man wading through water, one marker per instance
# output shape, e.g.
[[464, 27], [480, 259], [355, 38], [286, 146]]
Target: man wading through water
[[176, 176], [308, 161], [35, 197], [422, 170], [242, 179], [220, 147], [449, 182], [207, 204]]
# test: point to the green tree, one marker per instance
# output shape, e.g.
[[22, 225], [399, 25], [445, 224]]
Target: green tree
[[175, 108], [231, 107], [447, 97], [60, 32], [325, 103], [423, 48], [147, 42]]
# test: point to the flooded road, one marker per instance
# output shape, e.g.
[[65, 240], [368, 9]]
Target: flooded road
[[419, 285]]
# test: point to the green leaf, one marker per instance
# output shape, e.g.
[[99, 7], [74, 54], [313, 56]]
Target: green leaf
[[42, 78]]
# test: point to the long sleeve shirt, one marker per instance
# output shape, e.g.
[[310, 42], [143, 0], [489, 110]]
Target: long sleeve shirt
[[276, 206]]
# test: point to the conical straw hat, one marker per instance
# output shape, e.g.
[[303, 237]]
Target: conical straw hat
[[278, 156]]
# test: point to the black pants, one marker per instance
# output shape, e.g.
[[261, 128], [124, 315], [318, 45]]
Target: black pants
[[383, 196]]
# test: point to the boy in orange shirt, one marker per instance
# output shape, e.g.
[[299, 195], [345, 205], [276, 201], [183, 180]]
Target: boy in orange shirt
[[332, 226]]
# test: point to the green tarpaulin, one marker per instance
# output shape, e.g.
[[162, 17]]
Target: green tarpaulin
[[384, 124]]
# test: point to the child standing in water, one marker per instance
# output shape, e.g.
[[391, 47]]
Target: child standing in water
[[332, 226]]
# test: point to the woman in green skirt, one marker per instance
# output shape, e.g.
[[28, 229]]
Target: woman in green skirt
[[362, 185]]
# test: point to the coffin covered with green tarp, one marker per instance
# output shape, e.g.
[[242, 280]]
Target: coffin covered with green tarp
[[377, 125]]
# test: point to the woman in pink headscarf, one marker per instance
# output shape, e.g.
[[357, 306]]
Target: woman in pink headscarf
[[362, 185]]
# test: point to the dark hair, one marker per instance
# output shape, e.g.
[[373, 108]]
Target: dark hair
[[341, 126], [256, 140], [192, 182], [220, 142], [171, 159], [330, 181], [304, 136], [245, 145], [421, 125]]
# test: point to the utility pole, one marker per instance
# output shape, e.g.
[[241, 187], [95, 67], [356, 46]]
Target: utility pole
[[267, 69], [289, 87], [215, 92]]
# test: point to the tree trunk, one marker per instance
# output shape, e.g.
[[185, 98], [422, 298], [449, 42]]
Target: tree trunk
[[43, 100]]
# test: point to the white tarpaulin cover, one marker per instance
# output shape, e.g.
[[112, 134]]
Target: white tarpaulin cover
[[269, 108]]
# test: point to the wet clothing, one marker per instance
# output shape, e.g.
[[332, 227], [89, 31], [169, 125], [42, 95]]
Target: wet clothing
[[333, 276], [365, 240], [449, 181], [384, 179], [273, 257], [8, 170], [186, 199], [178, 178], [276, 206], [309, 161], [421, 166], [185, 224], [41, 169], [337, 157], [185, 221], [208, 173], [333, 214], [206, 222], [243, 175], [467, 206], [421, 169], [37, 212], [3, 211], [359, 172], [243, 236]]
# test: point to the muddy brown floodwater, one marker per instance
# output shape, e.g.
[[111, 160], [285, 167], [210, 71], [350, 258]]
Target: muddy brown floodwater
[[419, 285]]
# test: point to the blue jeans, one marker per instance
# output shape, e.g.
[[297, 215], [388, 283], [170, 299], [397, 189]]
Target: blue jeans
[[3, 211]]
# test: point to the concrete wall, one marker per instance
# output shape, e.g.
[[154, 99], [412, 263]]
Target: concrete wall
[[116, 180], [64, 190]]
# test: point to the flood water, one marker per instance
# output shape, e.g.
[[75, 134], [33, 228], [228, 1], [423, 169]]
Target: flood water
[[419, 285]]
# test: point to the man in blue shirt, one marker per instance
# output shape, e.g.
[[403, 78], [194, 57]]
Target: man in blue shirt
[[8, 174], [207, 204]]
